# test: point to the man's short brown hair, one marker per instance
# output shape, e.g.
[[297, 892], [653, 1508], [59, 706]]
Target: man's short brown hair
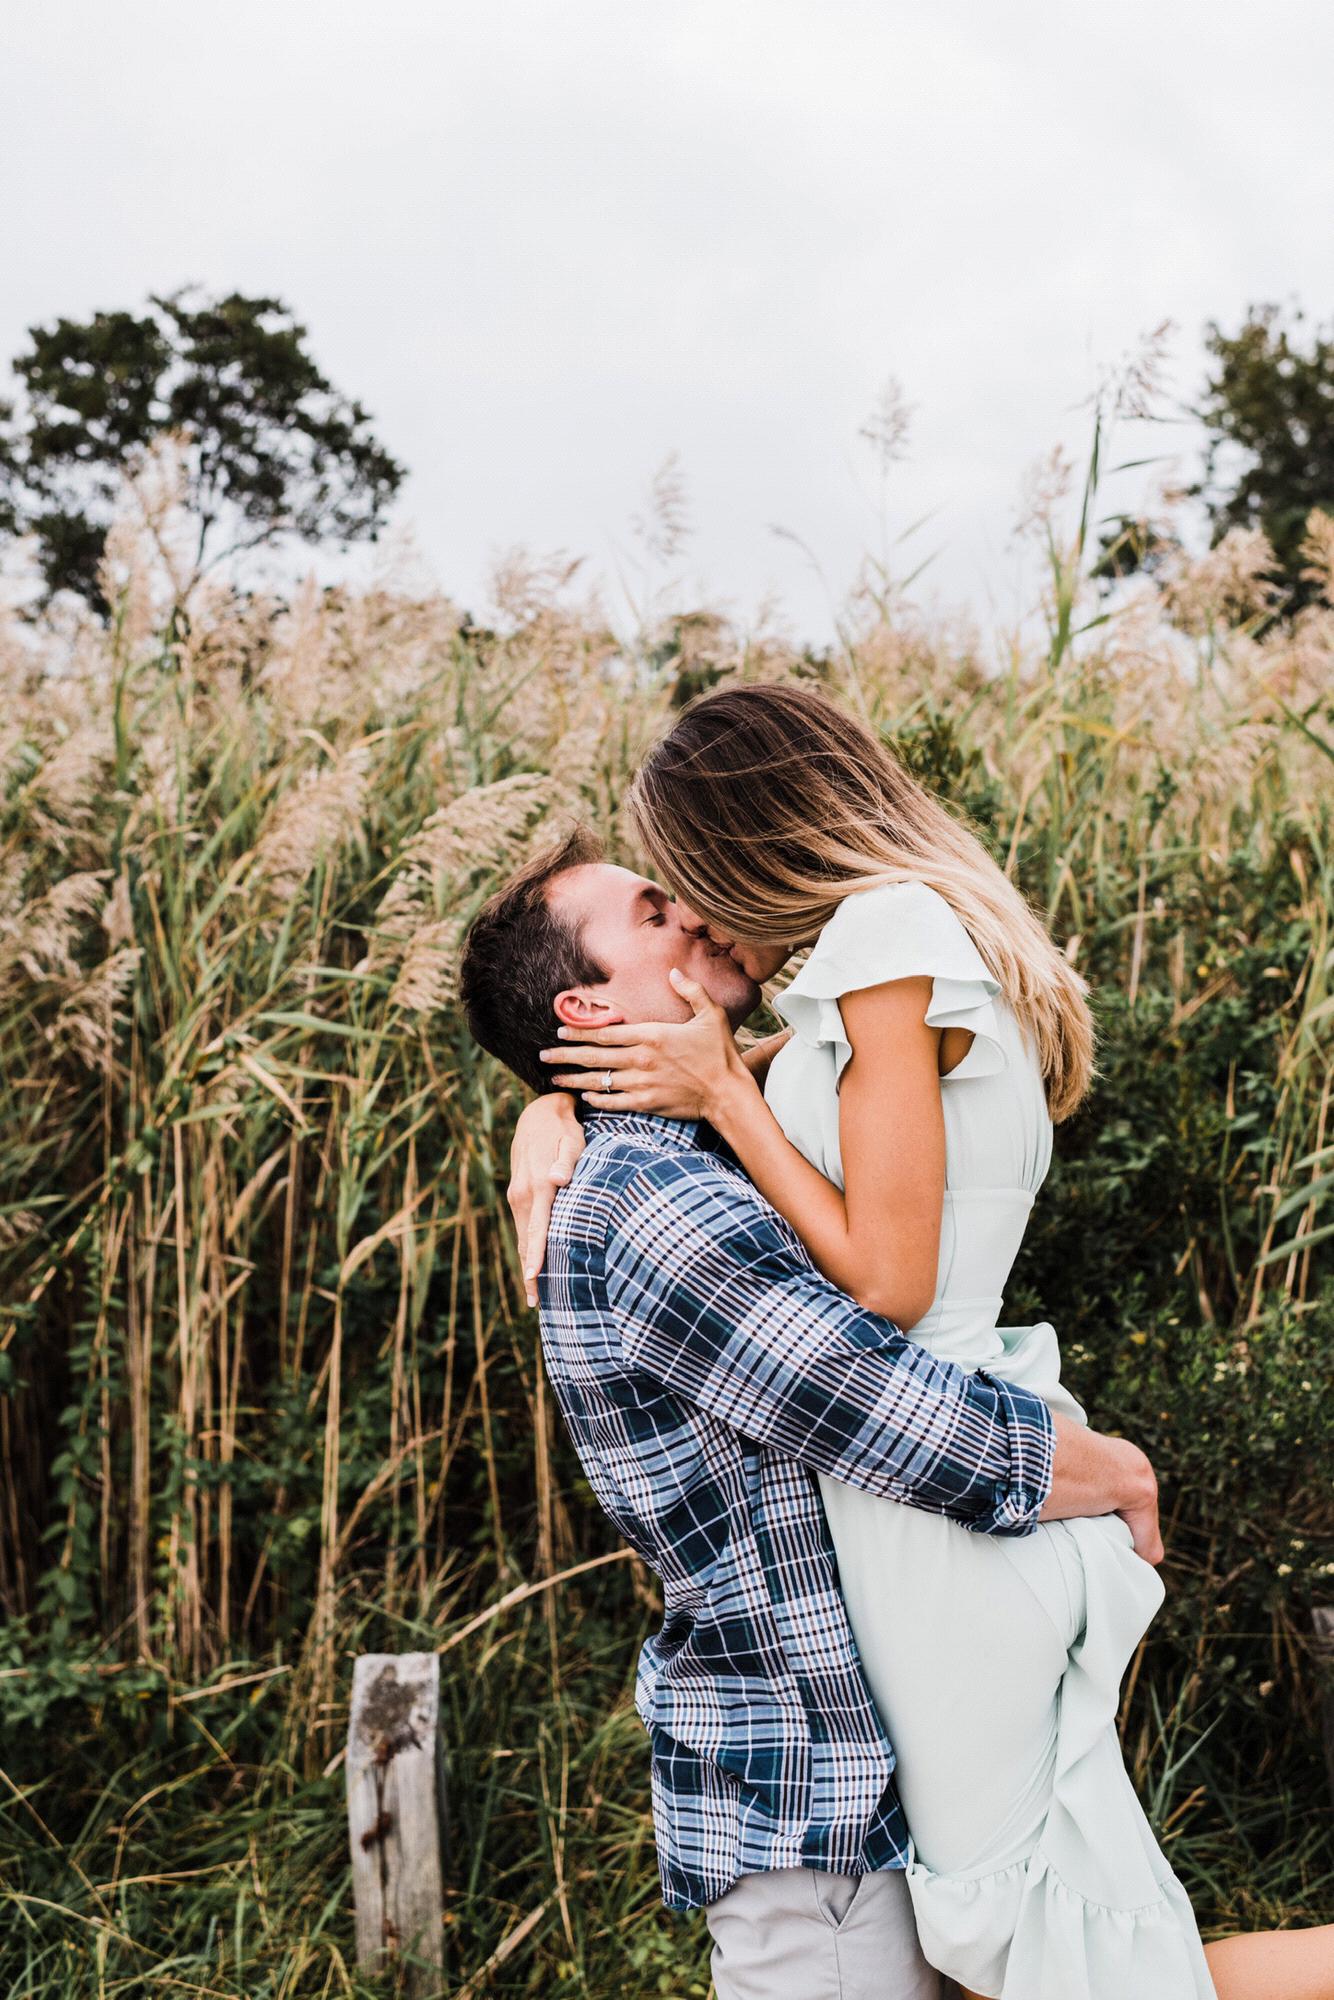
[[518, 955]]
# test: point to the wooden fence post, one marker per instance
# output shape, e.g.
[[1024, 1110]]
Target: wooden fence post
[[1323, 1619], [396, 1815]]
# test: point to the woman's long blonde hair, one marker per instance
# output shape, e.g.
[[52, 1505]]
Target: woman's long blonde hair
[[764, 806]]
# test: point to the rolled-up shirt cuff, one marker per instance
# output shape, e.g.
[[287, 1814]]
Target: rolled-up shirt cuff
[[1018, 1500]]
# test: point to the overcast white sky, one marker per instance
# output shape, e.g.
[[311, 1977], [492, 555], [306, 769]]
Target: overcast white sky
[[549, 241]]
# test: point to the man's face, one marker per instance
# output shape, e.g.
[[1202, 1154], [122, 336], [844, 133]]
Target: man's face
[[634, 929]]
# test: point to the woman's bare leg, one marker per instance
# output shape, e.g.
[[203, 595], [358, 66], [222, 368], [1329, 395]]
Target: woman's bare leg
[[1264, 1965], [1274, 1965]]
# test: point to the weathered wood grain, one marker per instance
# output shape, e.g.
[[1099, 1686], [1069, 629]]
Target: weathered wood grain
[[1323, 1616], [396, 1815]]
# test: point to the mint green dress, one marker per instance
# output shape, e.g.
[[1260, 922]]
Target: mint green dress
[[996, 1663]]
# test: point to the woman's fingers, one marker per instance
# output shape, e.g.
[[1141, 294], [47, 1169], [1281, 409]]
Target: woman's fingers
[[531, 1205], [520, 1203], [595, 1058], [701, 1003], [543, 1155], [691, 991], [519, 1195], [535, 1238], [1145, 1531], [623, 1035], [596, 1079]]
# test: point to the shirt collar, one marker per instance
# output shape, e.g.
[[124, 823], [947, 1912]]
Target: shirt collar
[[674, 1135]]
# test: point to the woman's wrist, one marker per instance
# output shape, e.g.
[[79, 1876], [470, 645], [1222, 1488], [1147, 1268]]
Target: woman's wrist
[[733, 1102]]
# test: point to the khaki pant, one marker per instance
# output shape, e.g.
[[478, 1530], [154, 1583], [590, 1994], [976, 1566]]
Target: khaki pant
[[803, 1934]]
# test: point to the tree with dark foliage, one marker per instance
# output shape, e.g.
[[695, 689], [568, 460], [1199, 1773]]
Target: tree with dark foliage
[[1269, 410], [1268, 413], [272, 449]]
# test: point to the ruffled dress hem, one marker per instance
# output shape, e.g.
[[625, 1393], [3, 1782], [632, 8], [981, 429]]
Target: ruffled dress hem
[[1024, 1934]]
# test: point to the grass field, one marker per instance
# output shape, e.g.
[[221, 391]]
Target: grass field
[[268, 1393]]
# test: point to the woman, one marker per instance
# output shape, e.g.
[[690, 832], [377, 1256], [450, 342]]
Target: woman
[[936, 1033]]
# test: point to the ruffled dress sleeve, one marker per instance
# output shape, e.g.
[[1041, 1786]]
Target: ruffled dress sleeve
[[901, 930]]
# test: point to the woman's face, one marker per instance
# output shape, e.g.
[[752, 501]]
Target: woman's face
[[758, 961]]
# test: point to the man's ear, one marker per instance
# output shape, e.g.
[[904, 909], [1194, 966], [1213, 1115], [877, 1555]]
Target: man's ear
[[581, 1007]]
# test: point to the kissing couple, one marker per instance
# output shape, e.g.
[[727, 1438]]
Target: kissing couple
[[902, 1576]]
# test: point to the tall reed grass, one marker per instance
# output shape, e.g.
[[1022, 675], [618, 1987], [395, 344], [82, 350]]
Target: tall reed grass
[[268, 1391]]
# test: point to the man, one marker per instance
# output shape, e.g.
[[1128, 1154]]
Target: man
[[706, 1369]]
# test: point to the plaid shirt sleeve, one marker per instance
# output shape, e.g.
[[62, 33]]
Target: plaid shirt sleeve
[[717, 1300]]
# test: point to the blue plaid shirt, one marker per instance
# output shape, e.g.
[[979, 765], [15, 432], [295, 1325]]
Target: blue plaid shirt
[[706, 1370]]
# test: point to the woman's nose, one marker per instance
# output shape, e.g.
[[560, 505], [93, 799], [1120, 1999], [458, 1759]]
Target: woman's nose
[[691, 920]]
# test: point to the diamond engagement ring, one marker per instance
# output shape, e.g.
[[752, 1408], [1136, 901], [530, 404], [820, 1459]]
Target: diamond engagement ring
[[606, 1083]]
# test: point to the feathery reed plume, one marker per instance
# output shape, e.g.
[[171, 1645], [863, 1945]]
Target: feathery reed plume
[[1318, 549], [310, 822], [148, 561], [68, 787], [663, 529], [299, 670], [42, 940], [91, 1012], [483, 831], [1133, 386], [525, 586], [1046, 485], [118, 915], [889, 425], [17, 1225], [1229, 585], [428, 976]]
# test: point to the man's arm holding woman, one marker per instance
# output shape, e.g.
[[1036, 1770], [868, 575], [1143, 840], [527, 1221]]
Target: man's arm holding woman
[[717, 1301]]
